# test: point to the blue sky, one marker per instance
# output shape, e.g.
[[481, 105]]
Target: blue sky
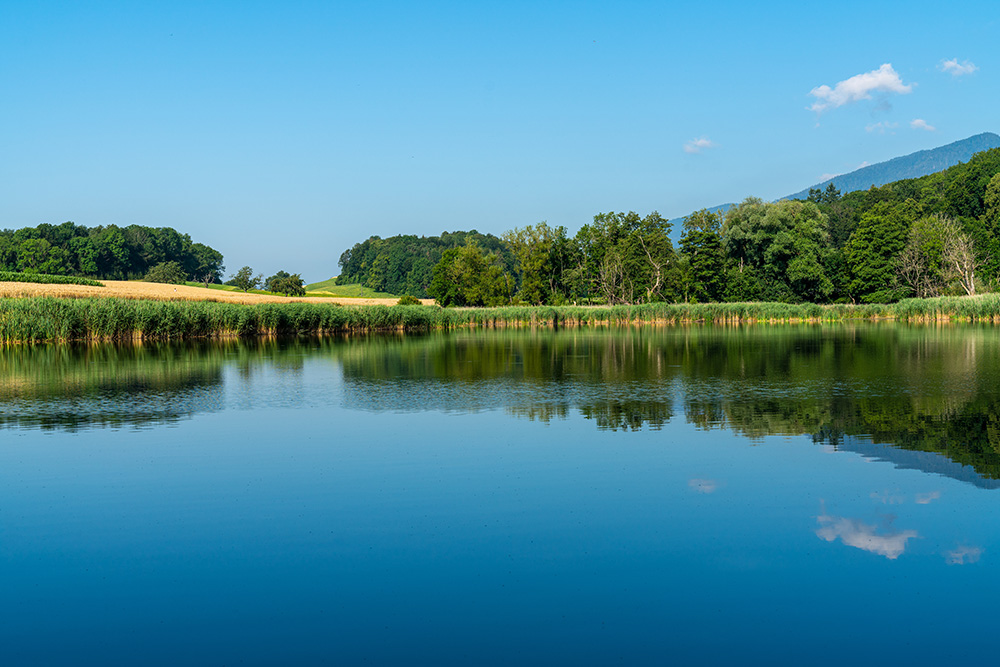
[[283, 133]]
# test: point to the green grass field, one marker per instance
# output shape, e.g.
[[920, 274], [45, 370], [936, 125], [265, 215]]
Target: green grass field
[[226, 288], [321, 289], [330, 288]]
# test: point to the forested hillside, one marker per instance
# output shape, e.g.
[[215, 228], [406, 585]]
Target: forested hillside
[[109, 252], [928, 236], [913, 165], [404, 264]]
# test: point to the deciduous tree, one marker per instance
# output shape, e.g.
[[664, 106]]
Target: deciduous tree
[[627, 258], [872, 252], [921, 263], [785, 245], [245, 280], [289, 284], [701, 245], [167, 272], [467, 276], [959, 254]]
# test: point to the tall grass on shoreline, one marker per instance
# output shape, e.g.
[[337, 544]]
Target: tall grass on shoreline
[[985, 308], [33, 319]]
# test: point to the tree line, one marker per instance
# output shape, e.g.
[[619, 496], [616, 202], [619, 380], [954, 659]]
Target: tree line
[[929, 236], [109, 252], [405, 264]]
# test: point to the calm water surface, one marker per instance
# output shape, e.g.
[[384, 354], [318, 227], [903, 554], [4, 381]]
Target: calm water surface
[[782, 494]]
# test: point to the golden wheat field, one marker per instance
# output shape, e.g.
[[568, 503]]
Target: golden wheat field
[[123, 289]]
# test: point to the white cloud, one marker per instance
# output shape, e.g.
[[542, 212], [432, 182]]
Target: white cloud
[[963, 554], [827, 177], [863, 536], [887, 498], [858, 87], [703, 485], [698, 145], [956, 68], [881, 127], [927, 498], [921, 124]]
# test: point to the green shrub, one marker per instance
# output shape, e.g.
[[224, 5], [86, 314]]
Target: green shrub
[[45, 279], [170, 273]]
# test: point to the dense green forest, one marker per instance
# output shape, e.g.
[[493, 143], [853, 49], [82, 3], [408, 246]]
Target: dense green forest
[[109, 252], [405, 264], [930, 236], [913, 165]]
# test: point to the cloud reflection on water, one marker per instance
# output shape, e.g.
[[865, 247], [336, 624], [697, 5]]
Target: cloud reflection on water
[[963, 555], [703, 485], [887, 498], [856, 533], [927, 498]]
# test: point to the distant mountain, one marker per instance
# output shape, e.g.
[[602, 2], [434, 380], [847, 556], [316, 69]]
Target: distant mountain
[[678, 223], [913, 165], [720, 209], [907, 459]]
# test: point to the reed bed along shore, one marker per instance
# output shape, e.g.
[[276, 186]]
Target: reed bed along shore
[[34, 319]]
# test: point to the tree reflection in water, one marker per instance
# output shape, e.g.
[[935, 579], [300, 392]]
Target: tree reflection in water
[[931, 389], [924, 397]]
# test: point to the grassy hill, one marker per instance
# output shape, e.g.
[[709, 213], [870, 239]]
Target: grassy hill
[[224, 288], [322, 288], [330, 288]]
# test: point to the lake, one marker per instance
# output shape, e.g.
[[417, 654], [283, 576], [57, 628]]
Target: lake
[[813, 494]]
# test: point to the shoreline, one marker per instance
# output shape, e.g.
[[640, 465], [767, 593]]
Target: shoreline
[[47, 318]]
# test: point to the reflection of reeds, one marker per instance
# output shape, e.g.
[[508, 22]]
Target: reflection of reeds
[[46, 318], [77, 386], [67, 370]]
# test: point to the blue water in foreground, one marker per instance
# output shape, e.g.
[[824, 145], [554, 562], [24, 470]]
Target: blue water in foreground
[[477, 498]]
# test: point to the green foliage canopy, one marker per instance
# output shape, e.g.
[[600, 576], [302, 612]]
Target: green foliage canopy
[[167, 272], [469, 276], [245, 280], [405, 264], [872, 253], [109, 252], [289, 284], [701, 246], [785, 245], [832, 247]]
